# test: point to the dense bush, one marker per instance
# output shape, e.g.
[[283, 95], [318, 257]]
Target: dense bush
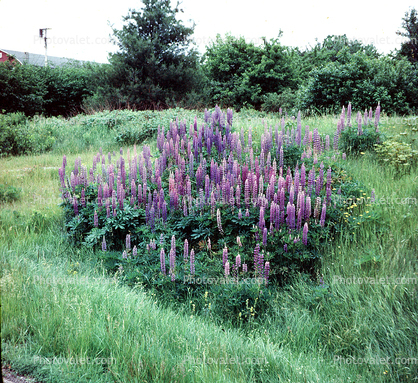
[[9, 193], [44, 90], [241, 74], [17, 136], [398, 156], [363, 81]]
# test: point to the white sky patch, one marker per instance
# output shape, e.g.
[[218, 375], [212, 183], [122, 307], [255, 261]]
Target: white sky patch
[[80, 29]]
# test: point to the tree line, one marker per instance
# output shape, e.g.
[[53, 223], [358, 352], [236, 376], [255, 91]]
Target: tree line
[[157, 66]]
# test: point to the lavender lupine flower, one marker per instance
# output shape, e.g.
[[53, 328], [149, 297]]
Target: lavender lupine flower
[[261, 222], [226, 266], [192, 268], [162, 261], [344, 156], [265, 237], [95, 219], [186, 251], [238, 261], [104, 244], [239, 214], [244, 268], [349, 114], [372, 197], [323, 214], [134, 252], [172, 260], [218, 219], [128, 241], [307, 208], [124, 255], [305, 234], [224, 255], [377, 118], [267, 271], [247, 213], [303, 176], [359, 127]]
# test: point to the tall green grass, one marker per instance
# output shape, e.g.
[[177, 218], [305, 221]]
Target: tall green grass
[[57, 301]]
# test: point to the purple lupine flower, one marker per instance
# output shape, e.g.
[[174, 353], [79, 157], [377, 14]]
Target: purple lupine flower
[[218, 219], [317, 207], [164, 211], [267, 271], [226, 266], [239, 214], [186, 251], [307, 208], [349, 114], [323, 214], [95, 219], [128, 241], [104, 244], [261, 222], [377, 117], [285, 247], [192, 268], [172, 264], [83, 198], [224, 255], [373, 197], [134, 252], [359, 127], [162, 261], [124, 255], [239, 241], [303, 176], [265, 237], [238, 261], [305, 234], [244, 268], [344, 156]]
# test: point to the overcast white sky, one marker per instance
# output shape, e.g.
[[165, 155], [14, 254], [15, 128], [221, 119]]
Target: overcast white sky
[[80, 28]]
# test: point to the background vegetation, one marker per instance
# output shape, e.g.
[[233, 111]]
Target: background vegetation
[[157, 67]]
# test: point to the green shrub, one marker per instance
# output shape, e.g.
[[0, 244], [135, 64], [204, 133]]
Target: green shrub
[[353, 143], [9, 193], [285, 101], [397, 155]]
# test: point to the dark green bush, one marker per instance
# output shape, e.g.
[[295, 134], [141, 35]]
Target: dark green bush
[[9, 193], [353, 143]]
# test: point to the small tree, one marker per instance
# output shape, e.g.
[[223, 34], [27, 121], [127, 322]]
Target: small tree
[[154, 64], [409, 48]]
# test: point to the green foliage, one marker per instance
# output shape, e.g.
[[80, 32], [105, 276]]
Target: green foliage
[[142, 130], [409, 48], [240, 73], [154, 64], [285, 101], [18, 136], [44, 90], [362, 81], [9, 193], [353, 143], [397, 155]]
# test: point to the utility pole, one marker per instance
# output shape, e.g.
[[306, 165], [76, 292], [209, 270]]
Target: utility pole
[[42, 34]]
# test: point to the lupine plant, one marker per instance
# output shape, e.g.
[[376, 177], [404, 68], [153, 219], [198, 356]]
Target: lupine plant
[[195, 189]]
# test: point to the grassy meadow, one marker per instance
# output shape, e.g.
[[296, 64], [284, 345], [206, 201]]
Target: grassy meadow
[[64, 318]]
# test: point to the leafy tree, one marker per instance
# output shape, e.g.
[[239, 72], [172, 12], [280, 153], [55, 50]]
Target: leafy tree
[[154, 64], [241, 73], [409, 48], [334, 48]]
